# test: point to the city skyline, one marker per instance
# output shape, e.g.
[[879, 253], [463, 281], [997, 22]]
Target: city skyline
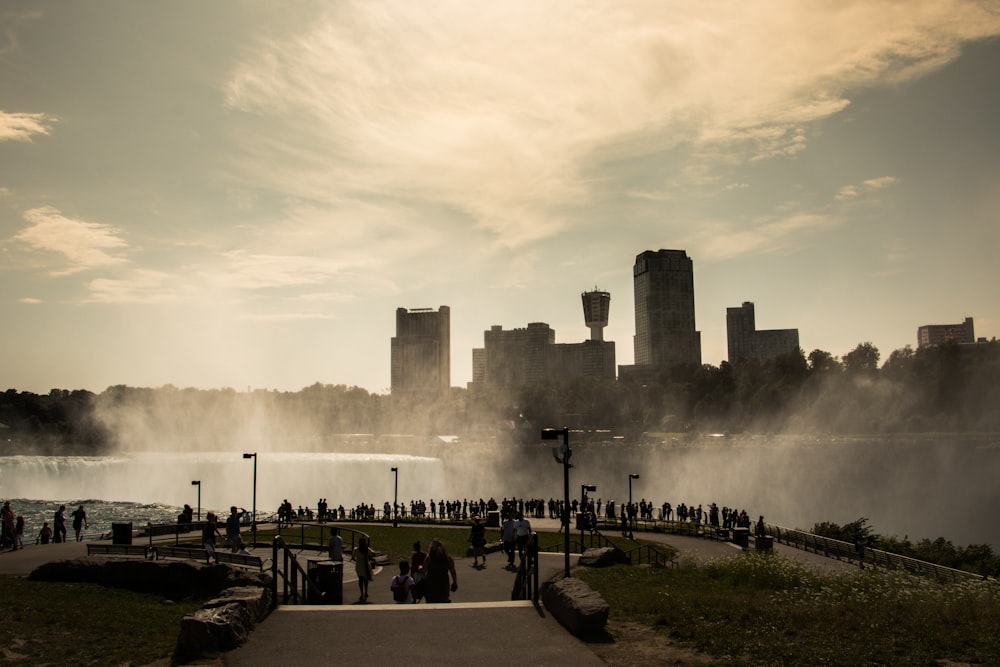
[[241, 195]]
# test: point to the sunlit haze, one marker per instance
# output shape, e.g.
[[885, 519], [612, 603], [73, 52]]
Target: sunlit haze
[[241, 194]]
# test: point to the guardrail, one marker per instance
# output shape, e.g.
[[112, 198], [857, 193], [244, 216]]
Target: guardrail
[[527, 583]]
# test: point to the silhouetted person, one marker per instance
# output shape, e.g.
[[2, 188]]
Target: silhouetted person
[[79, 522], [59, 525]]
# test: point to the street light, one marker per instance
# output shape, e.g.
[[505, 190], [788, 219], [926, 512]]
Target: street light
[[253, 522], [631, 476], [197, 482], [395, 496], [562, 455]]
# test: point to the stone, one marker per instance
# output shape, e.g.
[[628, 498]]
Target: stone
[[222, 624], [577, 607], [603, 557]]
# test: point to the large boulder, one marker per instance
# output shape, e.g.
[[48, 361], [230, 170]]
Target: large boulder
[[222, 624], [578, 607], [603, 557]]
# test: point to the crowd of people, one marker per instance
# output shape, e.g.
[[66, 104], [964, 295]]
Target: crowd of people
[[12, 527]]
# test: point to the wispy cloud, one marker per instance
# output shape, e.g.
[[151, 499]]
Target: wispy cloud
[[84, 245], [483, 109], [23, 126], [721, 240], [865, 187]]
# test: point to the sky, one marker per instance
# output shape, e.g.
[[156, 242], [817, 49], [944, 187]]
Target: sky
[[241, 194]]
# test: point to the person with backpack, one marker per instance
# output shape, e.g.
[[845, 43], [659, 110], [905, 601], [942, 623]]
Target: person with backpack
[[402, 584]]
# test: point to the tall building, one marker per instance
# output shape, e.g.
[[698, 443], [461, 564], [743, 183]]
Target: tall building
[[421, 350], [664, 310], [746, 342], [519, 357], [936, 334]]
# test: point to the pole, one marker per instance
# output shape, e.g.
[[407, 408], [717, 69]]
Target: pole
[[395, 497], [566, 497], [253, 521]]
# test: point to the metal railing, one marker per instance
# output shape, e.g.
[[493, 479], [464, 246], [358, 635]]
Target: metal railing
[[527, 583], [295, 585]]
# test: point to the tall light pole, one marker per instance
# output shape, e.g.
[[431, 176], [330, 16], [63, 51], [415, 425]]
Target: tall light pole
[[631, 476], [395, 496], [562, 455], [584, 488], [253, 522], [197, 482]]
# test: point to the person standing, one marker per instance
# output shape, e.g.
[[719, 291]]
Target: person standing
[[438, 567], [402, 584], [59, 525], [363, 567], [233, 526], [7, 523], [79, 522], [336, 547], [208, 533], [418, 560], [522, 530], [477, 537], [508, 535]]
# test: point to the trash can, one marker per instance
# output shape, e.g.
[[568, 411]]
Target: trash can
[[741, 537], [327, 577], [764, 543], [493, 519], [121, 533]]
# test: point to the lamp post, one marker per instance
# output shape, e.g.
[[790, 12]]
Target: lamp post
[[253, 522], [562, 455], [631, 476], [197, 482], [395, 496]]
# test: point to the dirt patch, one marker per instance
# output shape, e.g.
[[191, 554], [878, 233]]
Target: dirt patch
[[638, 645]]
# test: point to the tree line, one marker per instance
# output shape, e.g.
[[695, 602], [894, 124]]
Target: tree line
[[945, 388]]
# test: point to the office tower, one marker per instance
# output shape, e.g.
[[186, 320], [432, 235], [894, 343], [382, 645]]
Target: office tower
[[596, 306], [421, 350], [936, 334], [664, 310], [746, 342]]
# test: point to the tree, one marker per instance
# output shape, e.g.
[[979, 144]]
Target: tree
[[862, 359]]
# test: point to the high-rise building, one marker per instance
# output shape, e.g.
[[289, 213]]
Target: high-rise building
[[596, 307], [936, 334], [665, 332], [421, 350], [746, 342]]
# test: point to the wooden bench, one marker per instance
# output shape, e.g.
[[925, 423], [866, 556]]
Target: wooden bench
[[240, 560], [117, 550], [190, 553]]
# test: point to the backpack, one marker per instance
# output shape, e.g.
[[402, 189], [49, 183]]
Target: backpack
[[400, 589]]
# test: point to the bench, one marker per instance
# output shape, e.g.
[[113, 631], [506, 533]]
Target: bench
[[190, 553], [117, 550], [240, 560]]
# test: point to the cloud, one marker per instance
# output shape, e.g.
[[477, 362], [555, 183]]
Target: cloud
[[865, 187], [86, 245], [721, 240], [141, 286], [492, 111], [23, 126], [30, 300]]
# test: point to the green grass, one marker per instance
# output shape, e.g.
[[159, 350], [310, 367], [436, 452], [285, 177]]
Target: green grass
[[756, 609], [85, 624]]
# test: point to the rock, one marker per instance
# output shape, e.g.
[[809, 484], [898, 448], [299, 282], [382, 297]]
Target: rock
[[603, 557], [224, 623], [578, 607]]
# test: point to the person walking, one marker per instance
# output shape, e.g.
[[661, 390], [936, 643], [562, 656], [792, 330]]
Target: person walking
[[79, 522], [363, 567], [508, 535], [438, 567], [477, 538], [59, 525]]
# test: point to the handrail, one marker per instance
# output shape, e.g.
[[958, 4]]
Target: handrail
[[527, 583], [355, 535], [839, 549], [289, 576]]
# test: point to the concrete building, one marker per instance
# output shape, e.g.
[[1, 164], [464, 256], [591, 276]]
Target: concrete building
[[421, 351], [936, 334], [665, 333], [746, 342], [520, 357]]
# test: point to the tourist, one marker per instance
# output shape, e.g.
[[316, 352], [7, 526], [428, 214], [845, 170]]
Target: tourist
[[233, 526], [363, 567], [7, 527], [336, 547], [79, 522], [402, 584], [19, 533], [418, 559], [508, 535], [45, 534], [477, 537], [522, 531], [208, 534], [438, 567], [59, 524]]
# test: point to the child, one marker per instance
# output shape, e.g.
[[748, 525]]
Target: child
[[402, 584]]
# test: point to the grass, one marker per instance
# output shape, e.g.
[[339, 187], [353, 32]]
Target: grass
[[757, 609], [85, 624]]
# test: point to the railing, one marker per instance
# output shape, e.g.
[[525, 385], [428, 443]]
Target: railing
[[288, 532], [296, 586], [876, 557], [527, 583]]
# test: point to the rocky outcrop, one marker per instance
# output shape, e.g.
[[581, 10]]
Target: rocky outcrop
[[174, 579], [603, 557], [222, 624], [578, 607]]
